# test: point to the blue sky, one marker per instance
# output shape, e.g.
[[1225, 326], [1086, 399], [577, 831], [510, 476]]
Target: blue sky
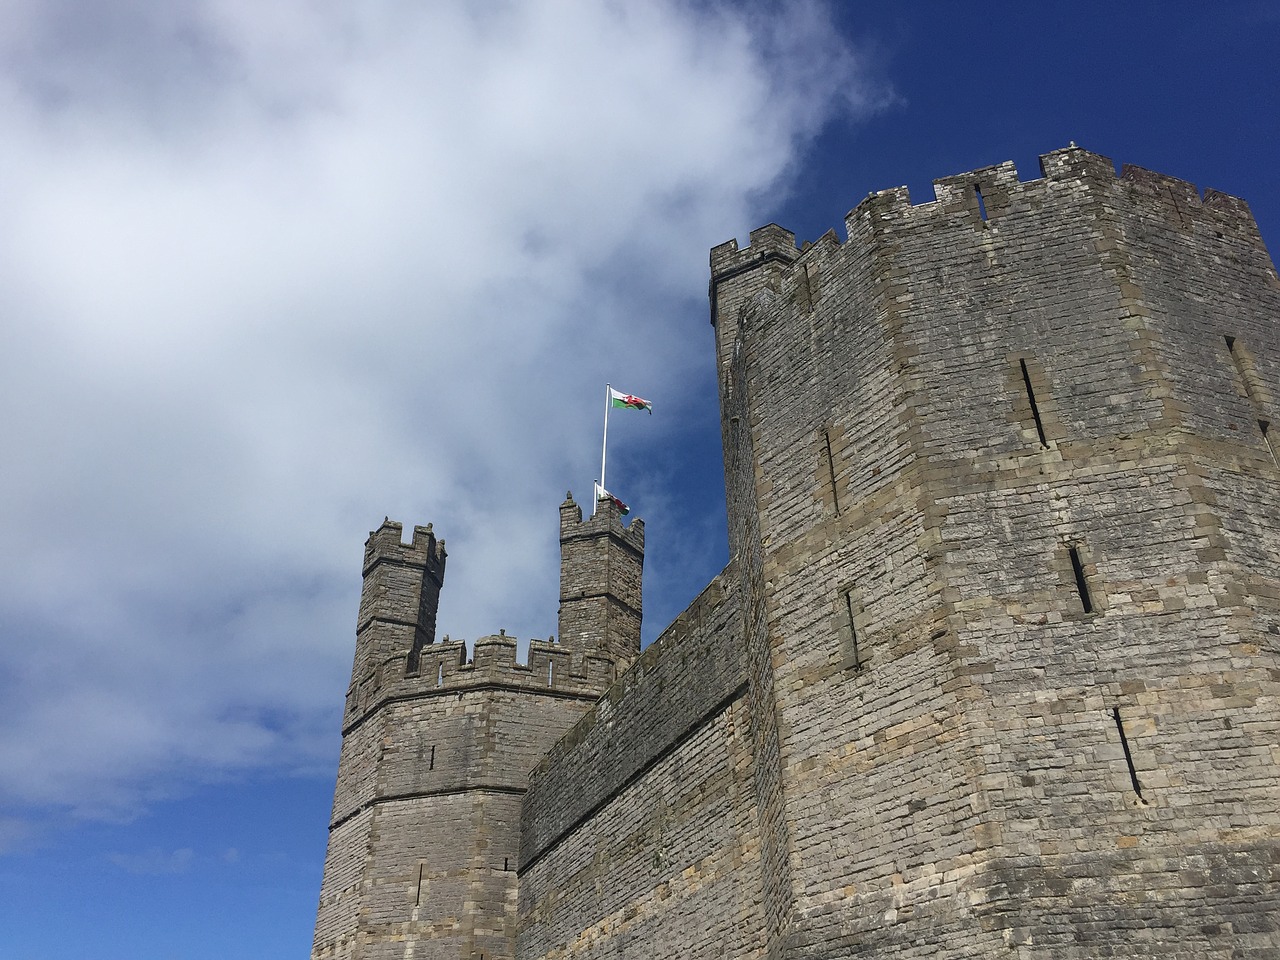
[[271, 272]]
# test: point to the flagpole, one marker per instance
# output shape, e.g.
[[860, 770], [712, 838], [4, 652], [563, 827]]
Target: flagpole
[[604, 446]]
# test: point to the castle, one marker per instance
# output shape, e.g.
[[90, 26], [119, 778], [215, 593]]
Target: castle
[[992, 671]]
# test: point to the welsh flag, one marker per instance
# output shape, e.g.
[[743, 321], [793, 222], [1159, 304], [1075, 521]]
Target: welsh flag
[[603, 494], [628, 402]]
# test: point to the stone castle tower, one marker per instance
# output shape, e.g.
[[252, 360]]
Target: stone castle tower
[[994, 670], [437, 749]]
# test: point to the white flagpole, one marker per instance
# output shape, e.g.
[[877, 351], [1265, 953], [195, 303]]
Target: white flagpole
[[604, 447]]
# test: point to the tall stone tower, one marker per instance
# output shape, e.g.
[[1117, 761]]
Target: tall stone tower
[[1003, 501], [600, 565], [437, 748]]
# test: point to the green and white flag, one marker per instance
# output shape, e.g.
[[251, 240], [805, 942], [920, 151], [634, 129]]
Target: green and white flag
[[627, 401]]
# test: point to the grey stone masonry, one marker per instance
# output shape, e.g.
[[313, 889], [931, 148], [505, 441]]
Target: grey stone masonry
[[437, 747], [600, 567], [397, 607], [1003, 499], [640, 830], [683, 679], [993, 670]]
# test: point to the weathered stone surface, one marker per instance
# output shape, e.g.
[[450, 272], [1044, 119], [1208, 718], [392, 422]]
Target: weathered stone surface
[[649, 800], [994, 669], [680, 683], [437, 748], [950, 431]]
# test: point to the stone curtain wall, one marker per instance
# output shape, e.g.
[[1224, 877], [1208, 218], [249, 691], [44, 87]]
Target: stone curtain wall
[[667, 868], [640, 833], [686, 676], [1018, 535]]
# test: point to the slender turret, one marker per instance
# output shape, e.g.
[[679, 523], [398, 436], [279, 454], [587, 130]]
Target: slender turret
[[398, 606], [600, 567]]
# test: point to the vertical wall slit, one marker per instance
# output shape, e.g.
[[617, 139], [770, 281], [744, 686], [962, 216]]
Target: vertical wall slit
[[431, 761], [1031, 399], [853, 631], [831, 469], [1247, 385], [804, 289], [1082, 586], [1264, 426], [982, 204], [417, 900], [1128, 756]]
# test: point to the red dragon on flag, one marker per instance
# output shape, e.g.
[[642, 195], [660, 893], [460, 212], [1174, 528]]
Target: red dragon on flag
[[628, 401]]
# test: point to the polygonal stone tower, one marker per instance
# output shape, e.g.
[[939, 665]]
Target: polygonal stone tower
[[437, 748], [1005, 505]]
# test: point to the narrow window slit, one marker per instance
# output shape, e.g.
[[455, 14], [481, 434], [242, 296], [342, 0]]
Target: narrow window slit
[[982, 205], [1031, 399], [440, 676], [1240, 371], [1264, 426], [417, 900], [1243, 376], [431, 761], [504, 863], [804, 290], [831, 468], [1082, 585], [1128, 756], [853, 632], [551, 668]]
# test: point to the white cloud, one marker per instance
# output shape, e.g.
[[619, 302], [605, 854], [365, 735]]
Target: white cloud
[[269, 272]]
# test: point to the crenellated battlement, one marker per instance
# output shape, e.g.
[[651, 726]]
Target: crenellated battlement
[[398, 657], [987, 201], [445, 665], [398, 604], [765, 244], [439, 736], [423, 550], [984, 195], [771, 250], [984, 458], [988, 193], [993, 664], [607, 520]]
